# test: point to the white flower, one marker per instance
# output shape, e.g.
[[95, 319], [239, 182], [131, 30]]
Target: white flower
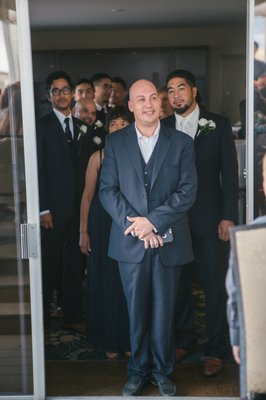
[[203, 122], [206, 126], [98, 124], [82, 131], [97, 140]]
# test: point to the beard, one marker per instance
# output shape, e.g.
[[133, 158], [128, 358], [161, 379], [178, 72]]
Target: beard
[[181, 110]]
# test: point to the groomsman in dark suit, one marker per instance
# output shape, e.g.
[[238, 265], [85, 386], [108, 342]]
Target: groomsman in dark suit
[[91, 139], [148, 183], [57, 147], [213, 213], [102, 83]]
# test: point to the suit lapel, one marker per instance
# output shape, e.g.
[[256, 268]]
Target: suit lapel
[[76, 128], [162, 148], [59, 130], [199, 135], [132, 146]]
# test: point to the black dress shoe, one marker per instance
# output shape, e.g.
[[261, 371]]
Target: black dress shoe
[[133, 387], [167, 387]]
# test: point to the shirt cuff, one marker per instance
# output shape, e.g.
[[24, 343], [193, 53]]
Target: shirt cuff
[[44, 212]]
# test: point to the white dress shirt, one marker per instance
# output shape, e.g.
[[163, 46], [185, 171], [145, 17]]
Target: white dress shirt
[[147, 144], [189, 124], [100, 108], [62, 118]]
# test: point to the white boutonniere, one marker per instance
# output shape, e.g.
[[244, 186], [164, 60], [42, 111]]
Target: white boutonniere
[[206, 126], [98, 124], [97, 140], [82, 130]]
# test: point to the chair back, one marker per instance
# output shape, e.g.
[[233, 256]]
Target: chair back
[[249, 249]]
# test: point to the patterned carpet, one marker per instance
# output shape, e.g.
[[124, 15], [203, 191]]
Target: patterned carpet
[[70, 346], [75, 368]]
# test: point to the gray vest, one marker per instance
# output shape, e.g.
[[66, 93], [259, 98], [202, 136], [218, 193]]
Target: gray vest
[[147, 172]]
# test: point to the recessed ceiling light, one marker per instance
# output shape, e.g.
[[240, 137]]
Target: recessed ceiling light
[[116, 10]]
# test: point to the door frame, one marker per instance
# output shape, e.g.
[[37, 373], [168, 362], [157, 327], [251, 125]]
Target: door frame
[[30, 156], [249, 112], [28, 112]]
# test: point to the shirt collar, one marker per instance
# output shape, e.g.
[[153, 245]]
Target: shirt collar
[[192, 118], [100, 108], [62, 116], [155, 134]]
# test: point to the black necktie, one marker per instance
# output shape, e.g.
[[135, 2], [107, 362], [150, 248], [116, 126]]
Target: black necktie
[[68, 132]]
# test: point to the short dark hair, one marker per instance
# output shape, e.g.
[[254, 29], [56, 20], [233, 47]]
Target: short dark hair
[[84, 80], [162, 89], [118, 112], [117, 79], [182, 73], [58, 75], [96, 78]]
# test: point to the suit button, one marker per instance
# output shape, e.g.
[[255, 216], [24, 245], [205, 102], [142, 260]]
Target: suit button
[[144, 196]]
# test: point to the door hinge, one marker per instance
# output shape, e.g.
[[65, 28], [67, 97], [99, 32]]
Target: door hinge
[[28, 237]]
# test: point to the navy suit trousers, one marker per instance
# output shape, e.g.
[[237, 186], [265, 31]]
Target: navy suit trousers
[[150, 289]]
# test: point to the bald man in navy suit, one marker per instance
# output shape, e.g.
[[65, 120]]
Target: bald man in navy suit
[[148, 183]]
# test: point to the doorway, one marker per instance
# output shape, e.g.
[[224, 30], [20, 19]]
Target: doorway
[[28, 266]]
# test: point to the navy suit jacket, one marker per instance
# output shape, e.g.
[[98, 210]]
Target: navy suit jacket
[[57, 167], [172, 193], [217, 170]]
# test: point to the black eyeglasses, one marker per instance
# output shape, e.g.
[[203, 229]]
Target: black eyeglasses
[[56, 91], [106, 86]]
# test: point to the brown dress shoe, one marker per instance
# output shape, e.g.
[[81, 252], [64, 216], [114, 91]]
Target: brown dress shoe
[[79, 327], [111, 355], [212, 366]]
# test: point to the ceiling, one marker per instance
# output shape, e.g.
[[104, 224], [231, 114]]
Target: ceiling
[[73, 14]]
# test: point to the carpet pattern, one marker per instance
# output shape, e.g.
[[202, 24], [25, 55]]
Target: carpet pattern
[[75, 368], [70, 346]]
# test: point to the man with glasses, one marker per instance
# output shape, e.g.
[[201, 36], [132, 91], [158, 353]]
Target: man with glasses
[[118, 92], [57, 144], [102, 85]]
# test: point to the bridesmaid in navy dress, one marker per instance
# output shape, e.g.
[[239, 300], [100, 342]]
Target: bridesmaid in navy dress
[[106, 310]]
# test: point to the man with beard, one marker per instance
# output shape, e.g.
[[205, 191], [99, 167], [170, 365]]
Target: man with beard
[[57, 137], [211, 216]]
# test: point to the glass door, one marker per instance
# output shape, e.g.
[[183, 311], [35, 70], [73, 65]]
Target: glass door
[[21, 332]]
